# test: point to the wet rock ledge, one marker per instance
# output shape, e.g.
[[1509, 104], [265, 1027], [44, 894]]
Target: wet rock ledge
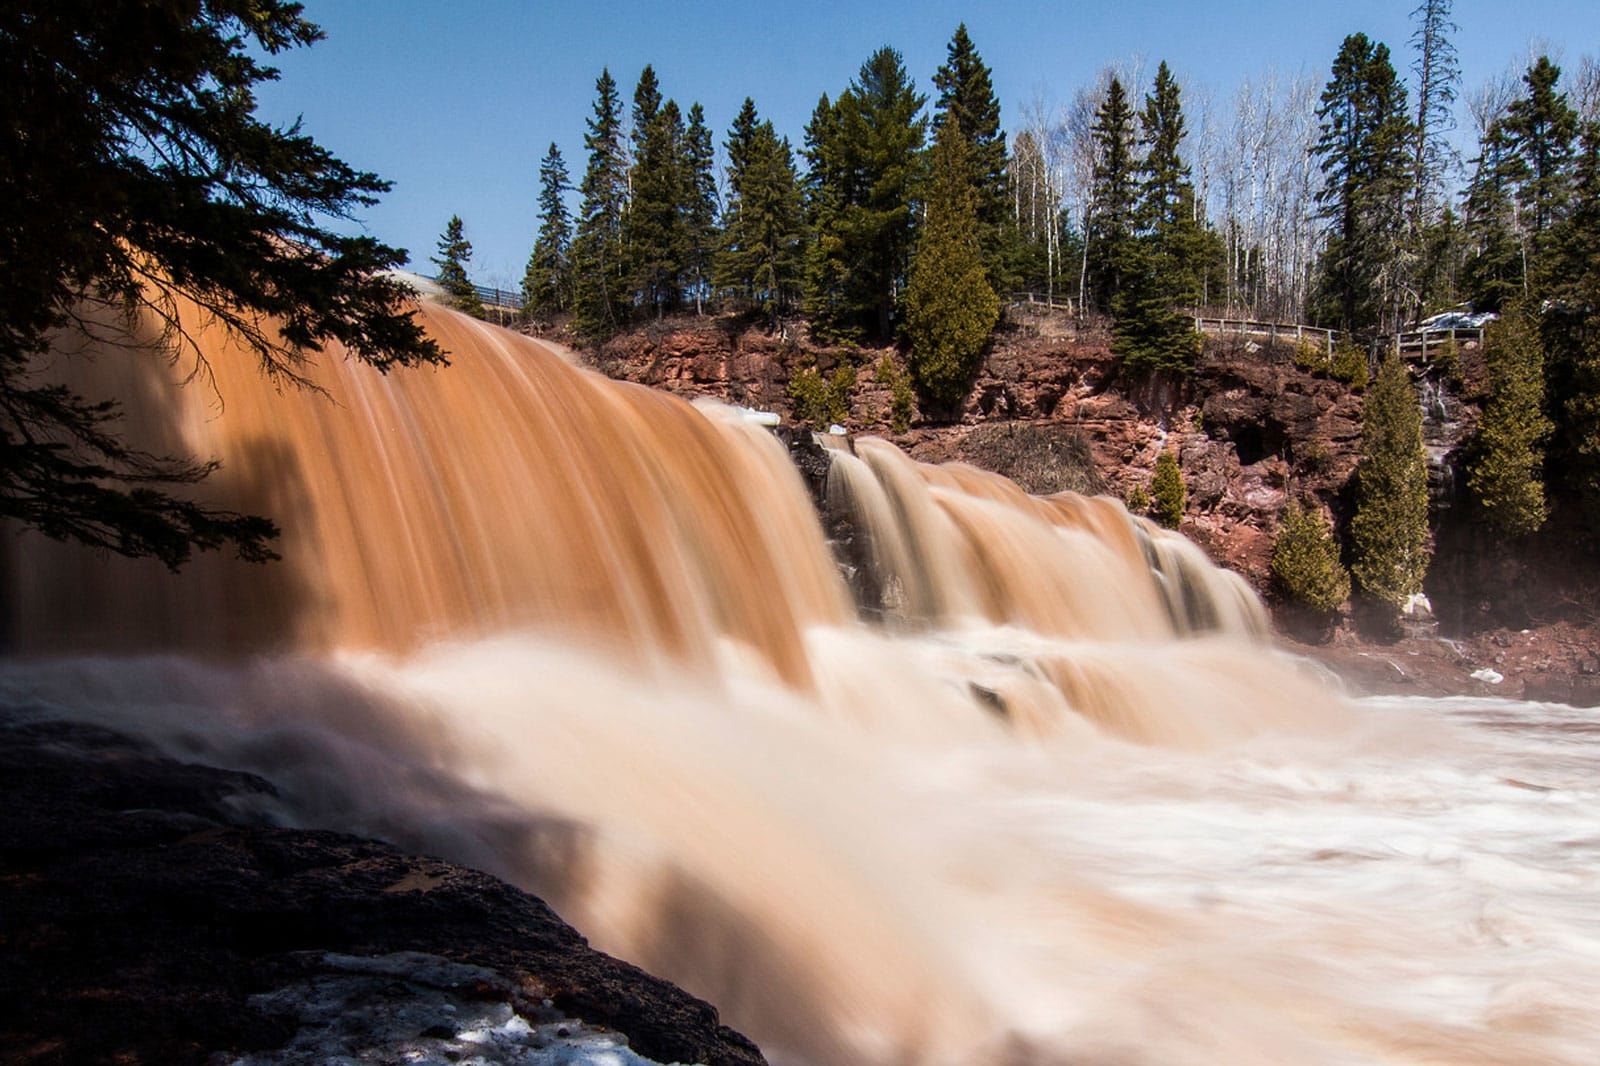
[[146, 916]]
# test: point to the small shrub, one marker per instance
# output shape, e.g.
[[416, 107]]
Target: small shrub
[[1168, 492], [1350, 366], [902, 397], [818, 402], [1315, 457], [1137, 500], [1305, 560], [1309, 355]]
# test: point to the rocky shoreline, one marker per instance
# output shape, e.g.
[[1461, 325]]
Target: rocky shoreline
[[148, 914]]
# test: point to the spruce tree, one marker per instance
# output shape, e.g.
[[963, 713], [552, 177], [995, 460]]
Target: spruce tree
[[547, 283], [136, 175], [1493, 271], [1389, 531], [1152, 331], [950, 306], [455, 252], [1169, 497], [1506, 473], [700, 211], [1571, 331], [828, 267], [1438, 74], [966, 95], [762, 256], [1113, 196], [1540, 129], [599, 292], [1305, 560], [1363, 144], [865, 152], [655, 230]]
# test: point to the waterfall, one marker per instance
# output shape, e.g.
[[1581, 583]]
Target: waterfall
[[1024, 782]]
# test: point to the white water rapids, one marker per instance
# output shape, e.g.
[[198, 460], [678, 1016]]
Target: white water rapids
[[1417, 886]]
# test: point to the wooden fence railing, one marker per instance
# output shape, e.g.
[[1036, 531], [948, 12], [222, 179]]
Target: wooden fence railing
[[1422, 340], [1042, 301], [1296, 331]]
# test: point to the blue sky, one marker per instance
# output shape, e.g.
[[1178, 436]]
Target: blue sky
[[456, 102]]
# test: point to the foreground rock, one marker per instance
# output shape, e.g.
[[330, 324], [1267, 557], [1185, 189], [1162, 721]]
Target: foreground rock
[[146, 915]]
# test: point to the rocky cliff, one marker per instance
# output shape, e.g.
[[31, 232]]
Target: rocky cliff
[[1252, 427]]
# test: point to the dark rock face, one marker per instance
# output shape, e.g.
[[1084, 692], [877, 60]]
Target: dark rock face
[[146, 913]]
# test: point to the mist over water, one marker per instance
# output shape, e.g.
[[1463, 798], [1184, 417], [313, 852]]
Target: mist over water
[[1058, 801]]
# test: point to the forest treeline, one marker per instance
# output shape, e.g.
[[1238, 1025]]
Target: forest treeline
[[904, 217]]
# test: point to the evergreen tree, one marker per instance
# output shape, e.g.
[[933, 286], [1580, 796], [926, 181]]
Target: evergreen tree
[[1163, 272], [1112, 196], [762, 257], [1438, 73], [1168, 495], [1366, 166], [1540, 129], [1506, 472], [1493, 271], [865, 154], [966, 95], [597, 260], [1389, 531], [455, 252], [547, 283], [950, 306], [136, 174], [700, 212], [1305, 560], [655, 230], [1571, 331]]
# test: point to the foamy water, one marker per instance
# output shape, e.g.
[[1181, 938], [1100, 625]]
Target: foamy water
[[1416, 885]]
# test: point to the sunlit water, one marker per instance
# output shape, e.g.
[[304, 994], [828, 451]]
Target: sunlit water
[[1418, 887], [1059, 802]]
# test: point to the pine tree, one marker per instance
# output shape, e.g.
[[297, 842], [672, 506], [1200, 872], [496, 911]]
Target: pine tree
[[455, 252], [1438, 73], [1168, 495], [1366, 166], [547, 283], [1506, 474], [1493, 271], [950, 306], [1112, 196], [865, 152], [1571, 331], [1151, 331], [597, 255], [700, 212], [762, 257], [1540, 129], [136, 174], [1305, 560], [966, 95], [655, 229], [1389, 531]]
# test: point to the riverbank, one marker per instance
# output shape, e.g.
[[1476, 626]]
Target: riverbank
[[151, 912]]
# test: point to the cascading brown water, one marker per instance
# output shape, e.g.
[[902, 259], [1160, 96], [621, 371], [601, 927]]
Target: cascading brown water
[[592, 638]]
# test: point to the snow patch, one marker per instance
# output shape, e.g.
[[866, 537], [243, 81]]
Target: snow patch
[[411, 1007]]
